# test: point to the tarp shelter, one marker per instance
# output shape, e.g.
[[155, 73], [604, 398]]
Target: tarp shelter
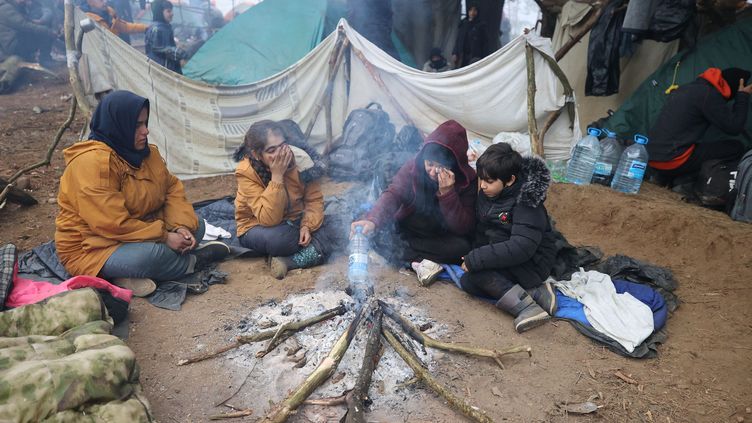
[[728, 47], [198, 126]]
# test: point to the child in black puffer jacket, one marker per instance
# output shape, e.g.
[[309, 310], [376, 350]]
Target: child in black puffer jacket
[[514, 249]]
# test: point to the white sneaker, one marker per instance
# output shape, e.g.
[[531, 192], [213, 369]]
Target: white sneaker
[[427, 271]]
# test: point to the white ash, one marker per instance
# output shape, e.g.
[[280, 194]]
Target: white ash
[[274, 376]]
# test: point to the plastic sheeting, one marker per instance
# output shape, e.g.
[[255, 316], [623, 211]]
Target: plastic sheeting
[[197, 126]]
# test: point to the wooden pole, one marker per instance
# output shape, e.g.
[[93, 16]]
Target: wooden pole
[[532, 125], [356, 398], [427, 341], [323, 372], [334, 65], [469, 411], [583, 30], [73, 53]]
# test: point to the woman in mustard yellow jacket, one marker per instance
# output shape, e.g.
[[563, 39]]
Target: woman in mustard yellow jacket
[[276, 212], [106, 16], [123, 216]]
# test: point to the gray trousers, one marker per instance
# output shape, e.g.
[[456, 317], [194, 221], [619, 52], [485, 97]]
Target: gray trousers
[[153, 260], [282, 240]]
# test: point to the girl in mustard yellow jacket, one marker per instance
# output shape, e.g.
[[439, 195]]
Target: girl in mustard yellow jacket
[[276, 212], [123, 216]]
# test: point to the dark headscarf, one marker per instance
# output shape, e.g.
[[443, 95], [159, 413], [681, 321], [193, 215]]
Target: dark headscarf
[[157, 8], [114, 123], [732, 77], [426, 202]]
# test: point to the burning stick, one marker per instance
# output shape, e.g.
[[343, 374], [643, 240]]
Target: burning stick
[[356, 398], [325, 370], [427, 341], [289, 330], [471, 412]]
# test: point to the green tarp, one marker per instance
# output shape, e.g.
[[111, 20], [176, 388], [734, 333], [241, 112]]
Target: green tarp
[[729, 47], [267, 39]]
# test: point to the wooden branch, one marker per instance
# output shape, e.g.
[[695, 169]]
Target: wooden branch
[[583, 30], [568, 91], [376, 77], [232, 415], [334, 65], [73, 53], [458, 403], [291, 328], [549, 122], [328, 402], [532, 125], [47, 157], [324, 370], [427, 341], [357, 397]]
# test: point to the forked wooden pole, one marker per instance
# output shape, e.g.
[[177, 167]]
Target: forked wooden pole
[[532, 125]]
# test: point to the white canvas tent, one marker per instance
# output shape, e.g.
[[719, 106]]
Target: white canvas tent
[[197, 126]]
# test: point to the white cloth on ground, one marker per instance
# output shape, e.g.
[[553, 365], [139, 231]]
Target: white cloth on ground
[[621, 317], [213, 233]]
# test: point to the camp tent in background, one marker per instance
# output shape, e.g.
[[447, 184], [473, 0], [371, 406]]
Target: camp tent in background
[[197, 126], [728, 47], [274, 34]]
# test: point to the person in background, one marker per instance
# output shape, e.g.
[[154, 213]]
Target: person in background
[[676, 148], [428, 211], [21, 36], [108, 18], [436, 62], [278, 214], [123, 216], [514, 252], [160, 41], [472, 43]]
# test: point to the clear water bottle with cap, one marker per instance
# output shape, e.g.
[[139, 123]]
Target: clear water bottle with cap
[[605, 166], [632, 166], [584, 155], [357, 270]]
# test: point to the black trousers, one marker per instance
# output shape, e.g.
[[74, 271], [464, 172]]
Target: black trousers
[[718, 150], [491, 283], [414, 239]]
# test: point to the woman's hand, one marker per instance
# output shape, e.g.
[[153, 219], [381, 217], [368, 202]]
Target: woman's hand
[[367, 226], [177, 242], [188, 236], [446, 181], [280, 163], [305, 236], [464, 266], [742, 88]]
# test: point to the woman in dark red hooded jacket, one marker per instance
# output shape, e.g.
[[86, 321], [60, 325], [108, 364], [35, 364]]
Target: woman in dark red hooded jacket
[[432, 201]]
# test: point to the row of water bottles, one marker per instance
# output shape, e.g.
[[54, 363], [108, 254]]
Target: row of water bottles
[[607, 163]]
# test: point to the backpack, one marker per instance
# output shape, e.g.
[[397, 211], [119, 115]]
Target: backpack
[[742, 205], [715, 183], [367, 132]]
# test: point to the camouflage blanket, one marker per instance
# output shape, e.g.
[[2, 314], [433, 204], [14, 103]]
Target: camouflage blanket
[[59, 363]]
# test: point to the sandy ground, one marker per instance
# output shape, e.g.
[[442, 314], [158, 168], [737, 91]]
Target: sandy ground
[[703, 372]]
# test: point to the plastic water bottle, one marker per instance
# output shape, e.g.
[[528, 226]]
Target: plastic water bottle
[[632, 166], [605, 166], [357, 270], [582, 164]]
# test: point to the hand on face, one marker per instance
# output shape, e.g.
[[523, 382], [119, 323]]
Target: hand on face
[[446, 180], [281, 161]]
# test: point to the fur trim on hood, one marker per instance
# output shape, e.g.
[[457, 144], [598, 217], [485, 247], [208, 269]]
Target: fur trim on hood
[[536, 179]]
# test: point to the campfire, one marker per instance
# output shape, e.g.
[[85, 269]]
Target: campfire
[[323, 331]]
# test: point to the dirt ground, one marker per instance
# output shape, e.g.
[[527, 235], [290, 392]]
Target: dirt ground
[[703, 372]]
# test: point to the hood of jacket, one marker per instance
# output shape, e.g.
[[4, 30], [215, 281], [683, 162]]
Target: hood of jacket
[[715, 78], [79, 148], [536, 178], [452, 136]]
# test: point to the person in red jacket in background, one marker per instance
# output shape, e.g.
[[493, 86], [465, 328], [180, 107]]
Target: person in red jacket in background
[[428, 211]]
